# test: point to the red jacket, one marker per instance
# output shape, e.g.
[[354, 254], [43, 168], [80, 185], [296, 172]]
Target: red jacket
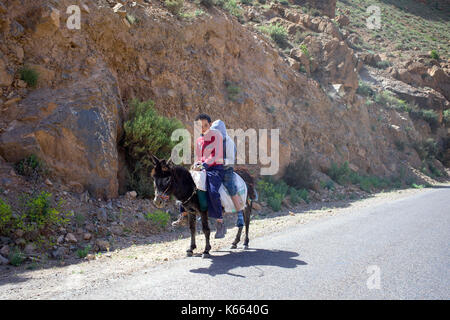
[[209, 148]]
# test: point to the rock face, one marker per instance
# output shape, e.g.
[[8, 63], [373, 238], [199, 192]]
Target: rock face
[[73, 129], [73, 119]]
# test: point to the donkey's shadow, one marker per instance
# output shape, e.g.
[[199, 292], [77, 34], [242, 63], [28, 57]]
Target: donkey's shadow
[[250, 258]]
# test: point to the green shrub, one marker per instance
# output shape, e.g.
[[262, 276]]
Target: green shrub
[[340, 174], [131, 19], [430, 116], [29, 75], [159, 218], [232, 90], [447, 117], [427, 149], [298, 174], [364, 89], [231, 6], [435, 173], [304, 49], [16, 257], [277, 32], [37, 213], [296, 194], [81, 253], [434, 55], [5, 216], [146, 134], [383, 64], [273, 192], [174, 6], [329, 185], [31, 167]]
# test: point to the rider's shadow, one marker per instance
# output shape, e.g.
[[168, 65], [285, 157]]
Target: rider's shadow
[[250, 258]]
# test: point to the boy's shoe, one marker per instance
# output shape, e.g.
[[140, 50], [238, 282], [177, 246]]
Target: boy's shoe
[[221, 230], [182, 221]]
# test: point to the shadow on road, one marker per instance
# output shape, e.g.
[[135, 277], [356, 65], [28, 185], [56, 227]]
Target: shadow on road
[[250, 258]]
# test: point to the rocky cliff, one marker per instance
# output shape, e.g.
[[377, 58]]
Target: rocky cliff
[[73, 119]]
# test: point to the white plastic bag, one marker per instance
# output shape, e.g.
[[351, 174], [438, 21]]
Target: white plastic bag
[[227, 203], [199, 178]]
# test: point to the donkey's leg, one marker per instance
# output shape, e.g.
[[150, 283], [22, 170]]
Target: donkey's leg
[[237, 239], [190, 251], [247, 213], [207, 232]]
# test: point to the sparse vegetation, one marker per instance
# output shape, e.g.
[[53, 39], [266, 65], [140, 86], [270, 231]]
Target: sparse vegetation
[[344, 175], [277, 32], [132, 19], [405, 24], [383, 64], [82, 253], [31, 167], [16, 257], [5, 216], [387, 99], [174, 6], [434, 55], [364, 89], [159, 218], [29, 75], [273, 192], [298, 174], [232, 90], [231, 6], [446, 117], [296, 194]]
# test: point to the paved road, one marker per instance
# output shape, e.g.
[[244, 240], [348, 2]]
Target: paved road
[[397, 250]]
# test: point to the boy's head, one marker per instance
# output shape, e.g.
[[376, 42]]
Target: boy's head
[[204, 121]]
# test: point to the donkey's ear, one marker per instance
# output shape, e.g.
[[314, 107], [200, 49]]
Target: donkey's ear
[[154, 159]]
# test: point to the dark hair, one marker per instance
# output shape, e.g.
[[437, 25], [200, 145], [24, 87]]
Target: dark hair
[[203, 116]]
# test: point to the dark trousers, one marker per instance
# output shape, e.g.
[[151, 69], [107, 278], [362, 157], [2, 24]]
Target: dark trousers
[[214, 178]]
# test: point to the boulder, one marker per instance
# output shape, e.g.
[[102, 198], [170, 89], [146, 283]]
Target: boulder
[[342, 20], [73, 129], [3, 260], [59, 253], [102, 245], [70, 238]]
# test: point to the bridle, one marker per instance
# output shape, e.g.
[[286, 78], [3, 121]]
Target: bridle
[[164, 197]]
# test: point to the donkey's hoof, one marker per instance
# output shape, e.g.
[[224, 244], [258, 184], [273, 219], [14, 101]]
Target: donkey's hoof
[[233, 246], [245, 246], [206, 255], [189, 253]]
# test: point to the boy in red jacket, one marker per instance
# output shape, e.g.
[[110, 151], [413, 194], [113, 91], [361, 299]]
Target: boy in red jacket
[[209, 153]]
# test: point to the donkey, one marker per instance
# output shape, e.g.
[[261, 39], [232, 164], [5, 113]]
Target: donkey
[[170, 179]]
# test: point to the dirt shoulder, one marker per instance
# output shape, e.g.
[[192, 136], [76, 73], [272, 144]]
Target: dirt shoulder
[[57, 277]]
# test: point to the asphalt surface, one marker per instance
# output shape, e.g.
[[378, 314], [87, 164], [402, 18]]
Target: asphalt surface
[[396, 250]]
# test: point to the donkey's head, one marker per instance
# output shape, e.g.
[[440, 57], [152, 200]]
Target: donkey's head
[[162, 180]]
